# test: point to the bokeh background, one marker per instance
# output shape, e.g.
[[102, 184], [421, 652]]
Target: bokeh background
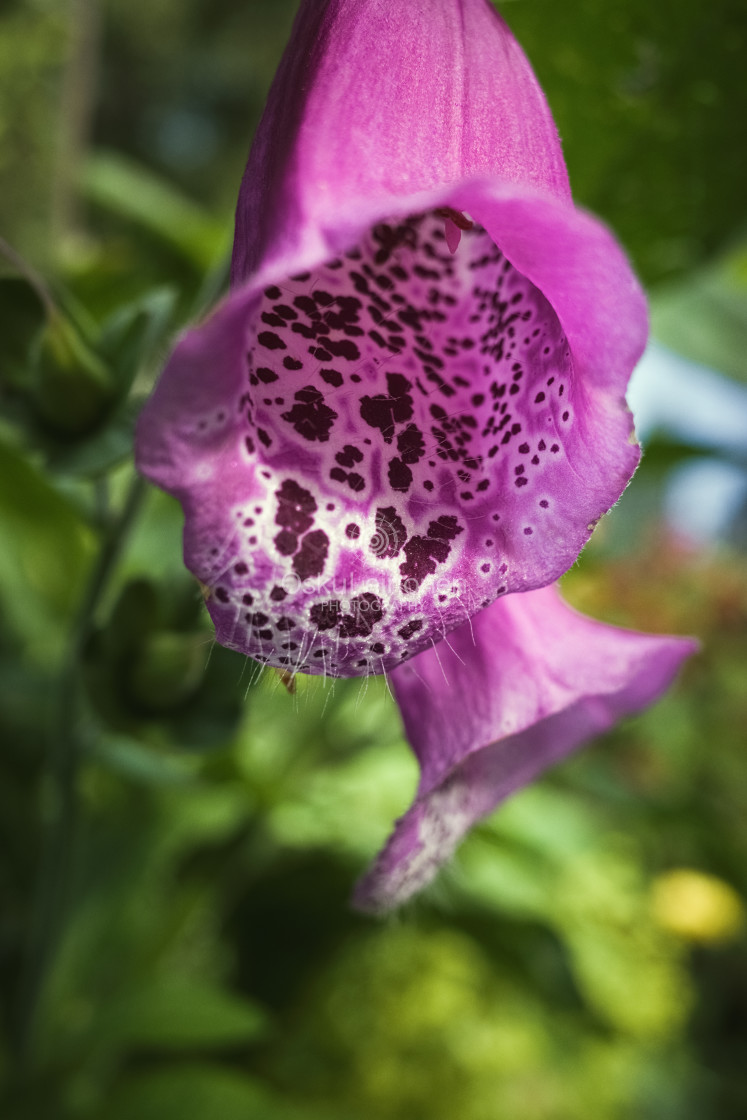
[[178, 837]]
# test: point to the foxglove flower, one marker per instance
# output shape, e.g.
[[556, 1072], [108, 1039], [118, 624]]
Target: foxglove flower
[[411, 407]]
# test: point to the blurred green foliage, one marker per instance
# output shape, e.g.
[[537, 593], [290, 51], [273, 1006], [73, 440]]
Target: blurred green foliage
[[180, 835]]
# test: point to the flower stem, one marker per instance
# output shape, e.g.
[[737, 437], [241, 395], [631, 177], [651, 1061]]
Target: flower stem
[[50, 899]]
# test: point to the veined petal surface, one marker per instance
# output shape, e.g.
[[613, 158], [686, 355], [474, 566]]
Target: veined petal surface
[[496, 704]]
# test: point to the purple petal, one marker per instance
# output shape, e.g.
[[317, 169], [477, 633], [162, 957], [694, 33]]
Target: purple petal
[[493, 706], [372, 451], [381, 431], [373, 101]]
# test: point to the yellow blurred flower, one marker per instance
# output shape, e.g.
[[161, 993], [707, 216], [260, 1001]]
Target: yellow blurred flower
[[697, 907]]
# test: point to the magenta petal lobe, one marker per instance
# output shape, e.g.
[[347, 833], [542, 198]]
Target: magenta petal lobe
[[402, 438], [529, 683]]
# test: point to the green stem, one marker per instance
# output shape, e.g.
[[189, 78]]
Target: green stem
[[48, 913]]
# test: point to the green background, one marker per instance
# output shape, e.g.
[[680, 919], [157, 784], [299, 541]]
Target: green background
[[179, 839]]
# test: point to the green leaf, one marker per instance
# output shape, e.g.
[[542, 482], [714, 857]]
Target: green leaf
[[184, 1014], [22, 316], [131, 759], [131, 334], [45, 551], [198, 1092], [135, 193], [105, 448]]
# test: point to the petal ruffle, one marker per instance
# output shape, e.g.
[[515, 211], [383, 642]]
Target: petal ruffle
[[496, 704], [415, 432], [379, 100]]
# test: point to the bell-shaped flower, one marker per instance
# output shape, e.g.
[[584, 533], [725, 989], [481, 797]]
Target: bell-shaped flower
[[412, 404]]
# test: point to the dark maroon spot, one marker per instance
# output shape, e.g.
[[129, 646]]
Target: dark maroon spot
[[312, 556], [352, 531], [410, 628], [266, 375], [365, 611], [423, 555], [289, 645], [356, 482], [325, 616], [257, 619], [521, 482], [400, 475], [377, 647], [285, 623], [444, 528], [292, 363], [266, 635], [566, 415], [332, 377], [296, 507], [389, 535], [544, 503], [555, 448], [247, 599], [523, 448], [410, 444], [528, 532], [343, 348], [270, 341], [273, 292], [278, 594], [241, 568], [539, 398], [286, 542], [284, 311], [310, 416], [221, 594], [541, 445], [349, 456], [385, 410], [263, 437]]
